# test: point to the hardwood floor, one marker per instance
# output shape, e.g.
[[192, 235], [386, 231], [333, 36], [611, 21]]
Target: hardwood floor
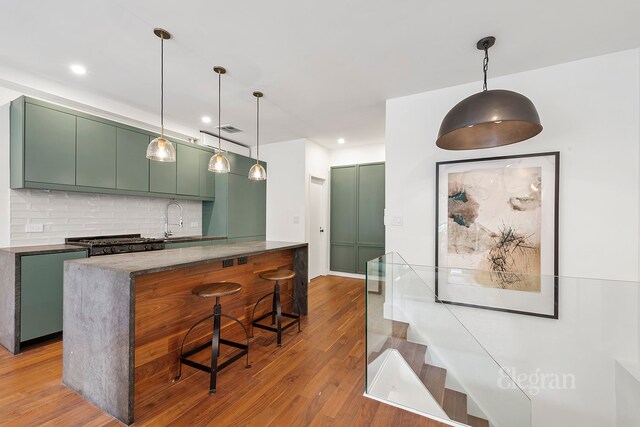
[[316, 378]]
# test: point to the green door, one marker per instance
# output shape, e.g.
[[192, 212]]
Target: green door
[[370, 239], [188, 170], [50, 146], [41, 278], [162, 176], [132, 164], [343, 219], [95, 154], [207, 179]]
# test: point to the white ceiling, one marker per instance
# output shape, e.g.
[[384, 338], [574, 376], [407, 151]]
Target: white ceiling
[[326, 67]]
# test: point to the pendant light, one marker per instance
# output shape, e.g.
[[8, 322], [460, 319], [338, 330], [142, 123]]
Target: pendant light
[[161, 149], [218, 162], [490, 118], [257, 172]]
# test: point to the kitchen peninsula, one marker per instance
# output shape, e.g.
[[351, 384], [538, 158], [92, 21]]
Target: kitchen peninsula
[[125, 315]]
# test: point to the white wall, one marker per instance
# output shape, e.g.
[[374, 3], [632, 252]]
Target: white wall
[[286, 190], [590, 111], [359, 154]]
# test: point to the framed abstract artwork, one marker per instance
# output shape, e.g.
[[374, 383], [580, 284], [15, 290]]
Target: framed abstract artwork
[[497, 233]]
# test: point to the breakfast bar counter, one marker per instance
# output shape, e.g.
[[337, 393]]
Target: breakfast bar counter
[[125, 315]]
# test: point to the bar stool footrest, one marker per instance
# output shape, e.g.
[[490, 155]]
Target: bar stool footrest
[[184, 359], [272, 328]]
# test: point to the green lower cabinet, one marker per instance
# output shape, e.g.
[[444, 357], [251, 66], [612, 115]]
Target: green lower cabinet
[[49, 146], [41, 279], [95, 154], [132, 163], [187, 169], [246, 239], [343, 258]]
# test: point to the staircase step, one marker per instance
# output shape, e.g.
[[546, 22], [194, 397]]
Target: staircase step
[[399, 329], [455, 405], [413, 353], [477, 422], [434, 379]]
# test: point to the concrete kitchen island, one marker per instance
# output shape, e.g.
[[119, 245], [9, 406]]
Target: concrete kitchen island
[[125, 315]]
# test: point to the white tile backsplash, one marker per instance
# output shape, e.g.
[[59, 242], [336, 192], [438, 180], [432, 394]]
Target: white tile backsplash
[[67, 214]]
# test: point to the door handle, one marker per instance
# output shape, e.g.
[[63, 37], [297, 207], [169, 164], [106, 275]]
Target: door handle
[[321, 230]]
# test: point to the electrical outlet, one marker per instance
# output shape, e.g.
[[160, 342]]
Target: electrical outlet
[[34, 228]]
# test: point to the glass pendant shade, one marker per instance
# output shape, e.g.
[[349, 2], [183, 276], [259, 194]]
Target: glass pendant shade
[[489, 119], [257, 172], [161, 150], [219, 163]]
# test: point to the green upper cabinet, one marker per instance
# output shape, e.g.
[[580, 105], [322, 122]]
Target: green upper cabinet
[[49, 145], [188, 173], [132, 163], [163, 176], [343, 204], [57, 148], [95, 154], [207, 179], [371, 204]]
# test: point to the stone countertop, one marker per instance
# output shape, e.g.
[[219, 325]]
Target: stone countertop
[[139, 263], [184, 239], [43, 249]]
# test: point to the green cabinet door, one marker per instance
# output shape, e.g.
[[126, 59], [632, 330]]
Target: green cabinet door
[[240, 216], [41, 278], [163, 176], [343, 219], [132, 172], [371, 204], [95, 154], [239, 164], [50, 146], [246, 207], [207, 179], [188, 170]]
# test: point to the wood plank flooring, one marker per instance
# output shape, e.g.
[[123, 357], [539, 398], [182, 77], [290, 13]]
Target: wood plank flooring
[[315, 379]]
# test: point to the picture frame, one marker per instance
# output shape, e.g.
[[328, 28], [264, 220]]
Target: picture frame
[[496, 235]]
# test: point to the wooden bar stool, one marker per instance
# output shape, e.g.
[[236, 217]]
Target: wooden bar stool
[[214, 290], [276, 312]]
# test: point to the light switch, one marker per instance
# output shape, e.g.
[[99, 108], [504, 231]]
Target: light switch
[[396, 220], [296, 220]]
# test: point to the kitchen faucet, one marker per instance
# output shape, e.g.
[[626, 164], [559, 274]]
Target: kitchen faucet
[[180, 223]]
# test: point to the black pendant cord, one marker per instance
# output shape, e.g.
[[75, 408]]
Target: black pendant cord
[[219, 111], [258, 130], [162, 86], [485, 65]]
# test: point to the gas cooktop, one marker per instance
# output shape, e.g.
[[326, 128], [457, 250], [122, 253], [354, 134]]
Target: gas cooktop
[[106, 245]]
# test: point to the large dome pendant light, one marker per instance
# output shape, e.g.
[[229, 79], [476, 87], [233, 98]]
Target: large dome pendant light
[[490, 118], [257, 172], [161, 149], [218, 162]]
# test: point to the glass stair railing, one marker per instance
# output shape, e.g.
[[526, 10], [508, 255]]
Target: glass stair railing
[[470, 366]]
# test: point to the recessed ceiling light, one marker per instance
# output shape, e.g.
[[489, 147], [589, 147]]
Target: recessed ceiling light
[[341, 141], [206, 119], [78, 69]]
